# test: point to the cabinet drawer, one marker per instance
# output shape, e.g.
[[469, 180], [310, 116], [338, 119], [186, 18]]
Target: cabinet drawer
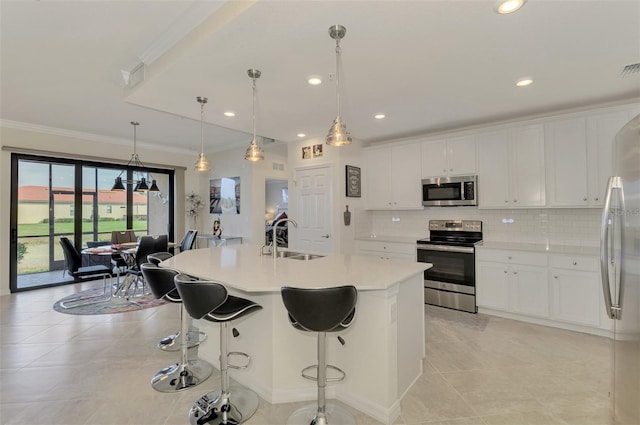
[[400, 248], [575, 262], [512, 257]]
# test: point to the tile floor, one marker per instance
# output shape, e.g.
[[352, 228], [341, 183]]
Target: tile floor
[[480, 370]]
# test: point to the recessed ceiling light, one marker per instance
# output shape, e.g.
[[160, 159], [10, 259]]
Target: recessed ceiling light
[[302, 135], [509, 6], [523, 82], [378, 116], [314, 80], [229, 114]]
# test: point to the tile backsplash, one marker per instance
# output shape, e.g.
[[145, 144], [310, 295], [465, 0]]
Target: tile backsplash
[[578, 227]]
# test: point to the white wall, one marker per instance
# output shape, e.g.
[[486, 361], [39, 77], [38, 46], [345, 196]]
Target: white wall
[[77, 144], [231, 163]]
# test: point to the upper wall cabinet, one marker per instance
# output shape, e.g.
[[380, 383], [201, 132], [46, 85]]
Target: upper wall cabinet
[[566, 158], [393, 178], [601, 130], [578, 157], [511, 168], [449, 157]]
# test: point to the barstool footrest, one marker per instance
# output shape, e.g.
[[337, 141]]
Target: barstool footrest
[[315, 378], [238, 353]]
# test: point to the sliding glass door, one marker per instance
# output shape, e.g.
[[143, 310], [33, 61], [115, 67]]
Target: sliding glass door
[[56, 197]]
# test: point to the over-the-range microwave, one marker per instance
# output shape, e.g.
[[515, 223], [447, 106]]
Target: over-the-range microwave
[[450, 191]]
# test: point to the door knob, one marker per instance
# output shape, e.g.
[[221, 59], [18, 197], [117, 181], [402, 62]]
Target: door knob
[[326, 236]]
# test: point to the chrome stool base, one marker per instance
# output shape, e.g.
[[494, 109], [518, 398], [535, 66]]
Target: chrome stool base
[[178, 377], [208, 408], [173, 342], [334, 415]]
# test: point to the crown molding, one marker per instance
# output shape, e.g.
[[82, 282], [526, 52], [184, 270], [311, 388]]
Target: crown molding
[[53, 131]]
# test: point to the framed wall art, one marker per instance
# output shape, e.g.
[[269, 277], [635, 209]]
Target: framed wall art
[[224, 195], [354, 181]]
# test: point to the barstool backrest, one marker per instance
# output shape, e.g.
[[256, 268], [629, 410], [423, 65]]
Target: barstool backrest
[[160, 280], [200, 297], [189, 240], [320, 310]]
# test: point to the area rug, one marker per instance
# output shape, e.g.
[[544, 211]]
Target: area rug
[[110, 306], [456, 318]]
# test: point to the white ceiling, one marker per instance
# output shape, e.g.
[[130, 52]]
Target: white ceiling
[[428, 65]]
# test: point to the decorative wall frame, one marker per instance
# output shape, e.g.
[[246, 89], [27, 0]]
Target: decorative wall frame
[[354, 181]]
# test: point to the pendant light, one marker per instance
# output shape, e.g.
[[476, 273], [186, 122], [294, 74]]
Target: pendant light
[[141, 184], [202, 164], [254, 151], [338, 134]]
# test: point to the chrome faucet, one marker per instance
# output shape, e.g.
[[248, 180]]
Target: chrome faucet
[[275, 241]]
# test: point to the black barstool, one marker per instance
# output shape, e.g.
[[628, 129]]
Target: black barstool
[[209, 300], [321, 310], [173, 342], [187, 373]]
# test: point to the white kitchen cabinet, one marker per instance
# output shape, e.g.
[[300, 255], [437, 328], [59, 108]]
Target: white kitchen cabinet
[[601, 130], [511, 282], [387, 250], [576, 290], [566, 163], [511, 168], [449, 157], [393, 178]]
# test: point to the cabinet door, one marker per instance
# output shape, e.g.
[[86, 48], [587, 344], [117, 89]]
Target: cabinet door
[[378, 179], [433, 158], [527, 167], [492, 288], [461, 156], [601, 129], [493, 170], [576, 296], [406, 178], [566, 145], [529, 290]]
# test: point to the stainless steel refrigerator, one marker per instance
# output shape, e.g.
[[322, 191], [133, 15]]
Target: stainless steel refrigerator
[[620, 267]]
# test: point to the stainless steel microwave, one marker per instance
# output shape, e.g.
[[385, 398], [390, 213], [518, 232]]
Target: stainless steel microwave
[[450, 191]]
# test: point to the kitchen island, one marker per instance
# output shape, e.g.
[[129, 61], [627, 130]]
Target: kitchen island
[[384, 347]]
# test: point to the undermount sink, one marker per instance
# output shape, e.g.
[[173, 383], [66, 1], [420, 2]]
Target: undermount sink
[[298, 255]]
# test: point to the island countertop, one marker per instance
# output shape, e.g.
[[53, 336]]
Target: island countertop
[[242, 267]]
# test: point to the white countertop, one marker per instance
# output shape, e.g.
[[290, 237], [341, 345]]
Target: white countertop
[[242, 267], [387, 238], [552, 249]]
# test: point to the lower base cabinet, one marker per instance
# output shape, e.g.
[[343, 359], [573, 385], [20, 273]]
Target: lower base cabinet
[[561, 290]]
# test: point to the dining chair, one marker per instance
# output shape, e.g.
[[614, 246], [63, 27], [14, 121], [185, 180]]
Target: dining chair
[[119, 237], [73, 266]]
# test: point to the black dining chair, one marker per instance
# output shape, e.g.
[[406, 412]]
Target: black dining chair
[[73, 266], [189, 240], [148, 245]]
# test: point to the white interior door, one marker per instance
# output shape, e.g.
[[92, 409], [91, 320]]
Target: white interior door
[[314, 202]]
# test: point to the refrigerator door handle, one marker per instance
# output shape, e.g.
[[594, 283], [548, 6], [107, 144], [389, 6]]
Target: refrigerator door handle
[[613, 311]]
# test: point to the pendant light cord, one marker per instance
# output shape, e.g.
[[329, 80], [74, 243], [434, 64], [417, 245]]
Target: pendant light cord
[[253, 112], [202, 128], [337, 76]]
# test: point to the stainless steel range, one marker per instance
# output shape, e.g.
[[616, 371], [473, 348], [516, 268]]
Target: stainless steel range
[[450, 247]]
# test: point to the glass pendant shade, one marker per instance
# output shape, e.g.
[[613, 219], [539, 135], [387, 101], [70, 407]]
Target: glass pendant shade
[[338, 134], [254, 152], [202, 164]]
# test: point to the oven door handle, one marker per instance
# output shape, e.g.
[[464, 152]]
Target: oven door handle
[[447, 248]]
